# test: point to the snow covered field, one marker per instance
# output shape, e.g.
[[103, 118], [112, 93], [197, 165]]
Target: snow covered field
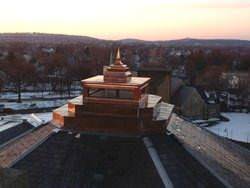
[[34, 100], [238, 128], [34, 104], [35, 95]]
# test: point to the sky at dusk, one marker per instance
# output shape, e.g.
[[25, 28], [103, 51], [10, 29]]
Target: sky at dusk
[[142, 19]]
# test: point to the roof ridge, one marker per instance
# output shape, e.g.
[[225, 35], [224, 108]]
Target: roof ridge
[[21, 147]]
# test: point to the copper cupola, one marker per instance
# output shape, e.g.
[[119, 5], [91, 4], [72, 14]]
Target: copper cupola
[[117, 72]]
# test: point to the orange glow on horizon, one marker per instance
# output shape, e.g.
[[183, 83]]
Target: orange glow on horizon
[[142, 19]]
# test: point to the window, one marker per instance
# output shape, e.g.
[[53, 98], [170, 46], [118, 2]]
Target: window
[[111, 93]]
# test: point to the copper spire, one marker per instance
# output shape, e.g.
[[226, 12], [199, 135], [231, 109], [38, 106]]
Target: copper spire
[[118, 58], [117, 72], [118, 54]]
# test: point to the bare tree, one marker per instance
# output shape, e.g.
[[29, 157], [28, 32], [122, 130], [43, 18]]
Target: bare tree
[[18, 72]]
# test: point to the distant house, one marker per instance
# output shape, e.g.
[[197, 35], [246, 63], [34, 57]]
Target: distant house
[[236, 86], [233, 100], [3, 54], [195, 103], [180, 72], [48, 50], [27, 57], [160, 81], [212, 104], [236, 80]]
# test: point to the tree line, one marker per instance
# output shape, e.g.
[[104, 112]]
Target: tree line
[[59, 66], [57, 70]]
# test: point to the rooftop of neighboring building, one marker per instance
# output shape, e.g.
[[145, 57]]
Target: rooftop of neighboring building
[[210, 97], [13, 132], [73, 160], [183, 94]]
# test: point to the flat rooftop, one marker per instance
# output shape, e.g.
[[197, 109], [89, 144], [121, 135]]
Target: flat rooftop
[[135, 81], [90, 161], [67, 160], [182, 168]]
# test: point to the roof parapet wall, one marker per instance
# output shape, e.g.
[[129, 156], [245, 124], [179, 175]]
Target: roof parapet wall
[[228, 161]]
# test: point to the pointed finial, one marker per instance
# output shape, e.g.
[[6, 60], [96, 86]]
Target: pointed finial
[[118, 58], [118, 54]]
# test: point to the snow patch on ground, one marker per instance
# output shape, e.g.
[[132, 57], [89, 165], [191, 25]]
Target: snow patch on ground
[[238, 128]]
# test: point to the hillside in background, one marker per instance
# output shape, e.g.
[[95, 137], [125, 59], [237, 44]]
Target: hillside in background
[[208, 42], [58, 38], [37, 38]]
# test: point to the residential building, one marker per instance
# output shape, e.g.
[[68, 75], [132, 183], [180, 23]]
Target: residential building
[[196, 103]]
